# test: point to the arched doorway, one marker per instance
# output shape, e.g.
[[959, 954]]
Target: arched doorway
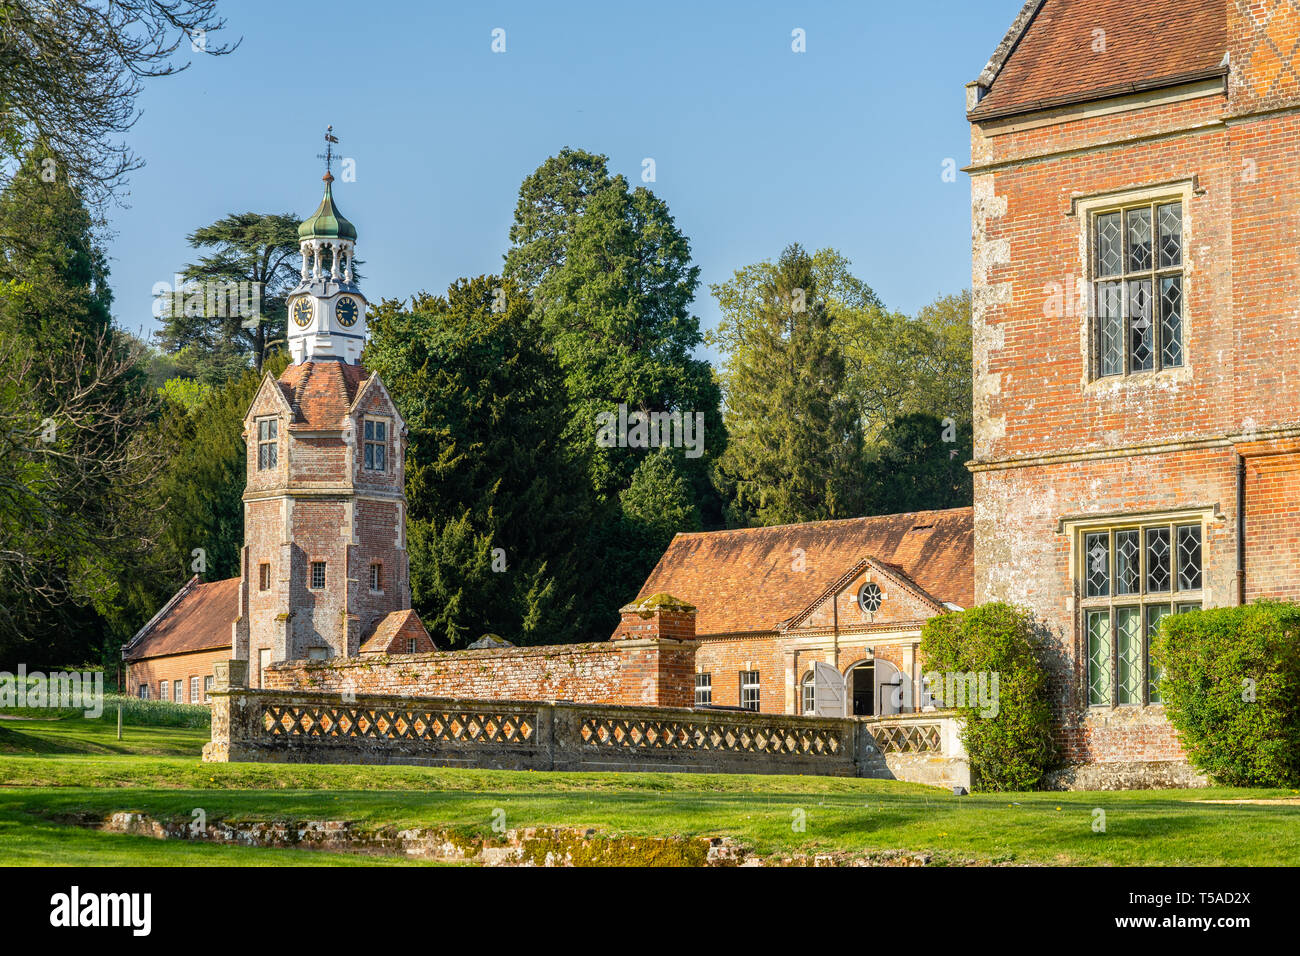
[[861, 681]]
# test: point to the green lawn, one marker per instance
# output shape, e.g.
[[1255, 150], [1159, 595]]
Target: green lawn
[[54, 770]]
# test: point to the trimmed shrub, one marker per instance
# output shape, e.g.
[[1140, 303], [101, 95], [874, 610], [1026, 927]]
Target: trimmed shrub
[[1009, 742], [1231, 685]]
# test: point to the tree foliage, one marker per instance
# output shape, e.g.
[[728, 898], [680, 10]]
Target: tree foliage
[[496, 498], [73, 402], [70, 71], [795, 446]]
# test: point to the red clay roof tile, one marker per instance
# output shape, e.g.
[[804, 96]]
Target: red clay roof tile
[[199, 621], [1147, 44], [321, 392], [746, 580]]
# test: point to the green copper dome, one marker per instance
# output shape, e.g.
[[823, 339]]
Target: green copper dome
[[327, 222]]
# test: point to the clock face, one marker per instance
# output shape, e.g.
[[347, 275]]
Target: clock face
[[302, 312], [345, 310]]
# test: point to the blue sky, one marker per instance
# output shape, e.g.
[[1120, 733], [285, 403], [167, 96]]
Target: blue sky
[[755, 146]]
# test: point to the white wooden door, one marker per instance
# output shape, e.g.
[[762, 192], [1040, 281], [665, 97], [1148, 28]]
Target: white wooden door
[[828, 691]]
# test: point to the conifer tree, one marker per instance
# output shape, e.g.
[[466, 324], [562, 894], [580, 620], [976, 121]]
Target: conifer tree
[[794, 448]]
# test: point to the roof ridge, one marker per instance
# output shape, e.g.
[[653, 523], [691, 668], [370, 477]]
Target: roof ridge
[[827, 521]]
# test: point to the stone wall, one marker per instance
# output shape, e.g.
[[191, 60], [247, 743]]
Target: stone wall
[[309, 727]]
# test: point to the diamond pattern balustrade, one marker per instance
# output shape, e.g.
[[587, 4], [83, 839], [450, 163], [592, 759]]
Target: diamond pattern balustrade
[[907, 738], [490, 727], [647, 734]]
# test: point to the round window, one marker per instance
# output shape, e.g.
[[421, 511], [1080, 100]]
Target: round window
[[869, 597]]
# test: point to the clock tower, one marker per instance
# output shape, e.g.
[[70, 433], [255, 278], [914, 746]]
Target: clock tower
[[327, 312]]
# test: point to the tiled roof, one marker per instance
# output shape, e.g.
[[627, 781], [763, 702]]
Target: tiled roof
[[1148, 44], [321, 392], [392, 631], [198, 618], [747, 580]]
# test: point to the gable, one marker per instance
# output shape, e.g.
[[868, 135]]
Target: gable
[[756, 579], [901, 601], [1055, 58]]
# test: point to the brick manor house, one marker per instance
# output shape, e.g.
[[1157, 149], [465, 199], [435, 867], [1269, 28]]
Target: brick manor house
[[1136, 279]]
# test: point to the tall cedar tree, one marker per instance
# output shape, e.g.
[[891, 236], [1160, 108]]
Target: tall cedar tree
[[216, 342], [74, 398], [794, 451], [487, 467]]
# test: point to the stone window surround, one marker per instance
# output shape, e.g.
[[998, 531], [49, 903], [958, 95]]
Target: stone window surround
[[1085, 210], [1077, 528]]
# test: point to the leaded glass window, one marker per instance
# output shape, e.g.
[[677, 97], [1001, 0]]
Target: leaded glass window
[[1138, 288], [376, 444], [1157, 558], [1128, 654], [1096, 550], [1127, 577], [1154, 613], [267, 443], [1098, 658]]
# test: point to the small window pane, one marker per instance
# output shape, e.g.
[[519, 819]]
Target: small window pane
[[809, 695], [1170, 221], [1189, 557], [1110, 328], [1154, 613], [1139, 239], [317, 575], [379, 431], [1142, 353], [370, 456], [703, 690], [1128, 556], [381, 458], [1171, 321], [1128, 634], [1159, 577], [1096, 551], [370, 429], [1110, 245], [749, 690], [1098, 658]]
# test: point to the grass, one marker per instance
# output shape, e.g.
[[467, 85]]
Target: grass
[[51, 770]]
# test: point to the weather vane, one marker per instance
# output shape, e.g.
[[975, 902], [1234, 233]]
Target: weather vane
[[328, 155]]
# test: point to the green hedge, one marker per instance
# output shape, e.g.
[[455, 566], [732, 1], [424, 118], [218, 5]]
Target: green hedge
[[1012, 748], [1231, 685]]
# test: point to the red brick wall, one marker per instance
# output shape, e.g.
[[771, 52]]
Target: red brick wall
[[172, 668], [611, 672], [1051, 442]]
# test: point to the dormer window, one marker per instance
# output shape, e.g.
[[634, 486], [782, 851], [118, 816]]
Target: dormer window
[[376, 444], [268, 433], [1137, 280]]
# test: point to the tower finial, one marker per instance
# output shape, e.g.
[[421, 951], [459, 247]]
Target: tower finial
[[328, 155]]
